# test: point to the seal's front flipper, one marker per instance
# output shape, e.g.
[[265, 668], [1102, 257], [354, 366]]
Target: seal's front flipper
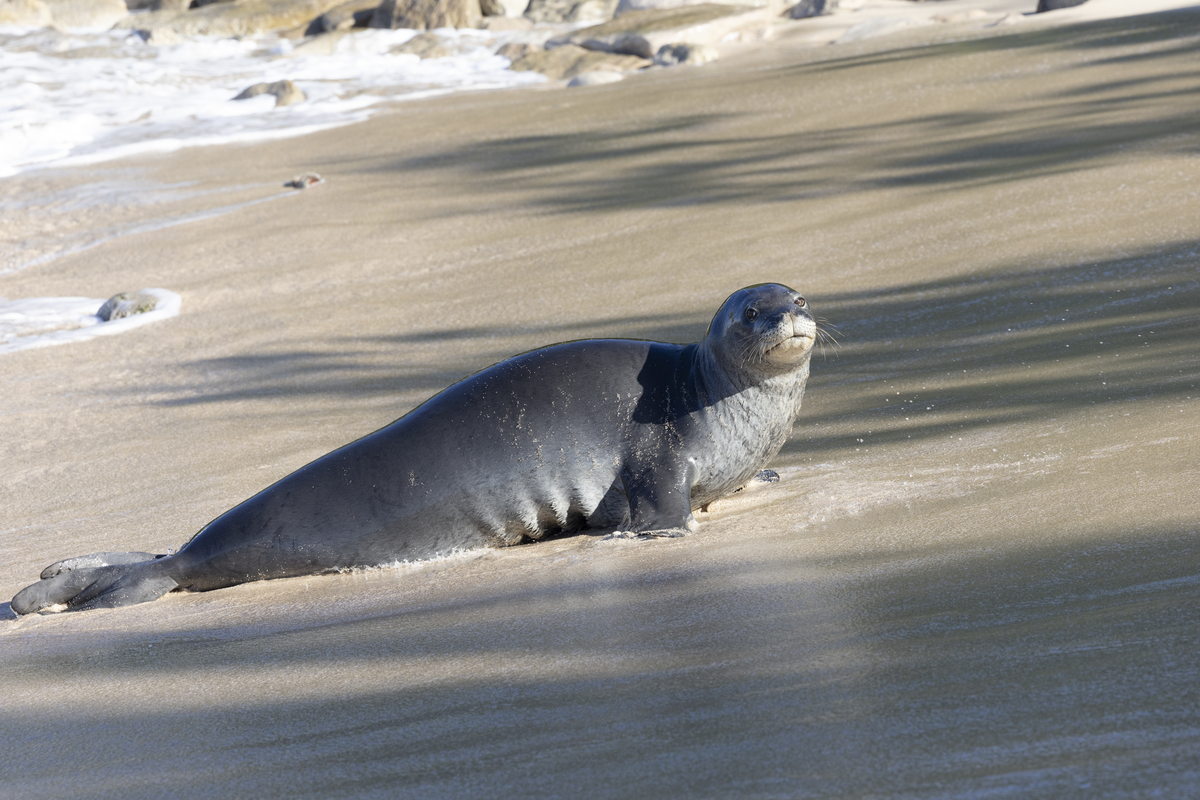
[[86, 588], [658, 533], [96, 560], [660, 506]]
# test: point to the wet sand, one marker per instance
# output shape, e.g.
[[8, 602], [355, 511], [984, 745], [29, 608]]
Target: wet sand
[[978, 576]]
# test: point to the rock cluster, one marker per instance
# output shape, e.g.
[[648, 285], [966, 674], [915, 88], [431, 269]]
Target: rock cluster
[[230, 19], [569, 61], [623, 35], [643, 33], [428, 14]]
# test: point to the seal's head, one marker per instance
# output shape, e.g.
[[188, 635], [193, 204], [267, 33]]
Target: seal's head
[[763, 330]]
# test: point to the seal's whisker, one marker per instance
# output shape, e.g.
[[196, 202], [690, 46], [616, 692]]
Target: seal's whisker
[[753, 347], [823, 324], [827, 335]]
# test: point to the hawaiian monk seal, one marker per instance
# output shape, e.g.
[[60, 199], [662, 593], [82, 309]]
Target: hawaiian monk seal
[[597, 433]]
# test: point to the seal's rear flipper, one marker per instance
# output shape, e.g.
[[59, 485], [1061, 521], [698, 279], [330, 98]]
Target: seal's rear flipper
[[96, 560], [85, 588]]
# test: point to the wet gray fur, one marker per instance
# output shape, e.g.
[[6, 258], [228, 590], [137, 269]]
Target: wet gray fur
[[587, 434]]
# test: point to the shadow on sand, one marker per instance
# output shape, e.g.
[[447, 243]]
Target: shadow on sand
[[1011, 345], [1036, 126], [1002, 345], [1038, 668], [1007, 342]]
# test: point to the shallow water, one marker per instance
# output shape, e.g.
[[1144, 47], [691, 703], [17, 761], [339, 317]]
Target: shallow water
[[47, 321], [75, 98]]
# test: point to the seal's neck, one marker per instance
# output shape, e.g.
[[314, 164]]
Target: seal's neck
[[741, 424], [717, 382]]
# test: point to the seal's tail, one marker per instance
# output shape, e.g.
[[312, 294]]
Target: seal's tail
[[101, 580]]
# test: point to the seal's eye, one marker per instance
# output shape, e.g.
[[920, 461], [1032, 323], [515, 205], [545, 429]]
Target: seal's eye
[[801, 302], [751, 314]]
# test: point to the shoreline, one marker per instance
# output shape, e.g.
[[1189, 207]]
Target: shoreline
[[29, 194], [341, 54], [34, 192]]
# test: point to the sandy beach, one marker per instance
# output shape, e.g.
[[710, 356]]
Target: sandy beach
[[977, 577]]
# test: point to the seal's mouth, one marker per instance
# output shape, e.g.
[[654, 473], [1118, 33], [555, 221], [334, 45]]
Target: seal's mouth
[[797, 341]]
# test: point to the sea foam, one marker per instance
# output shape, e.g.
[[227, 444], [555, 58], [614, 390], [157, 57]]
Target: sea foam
[[80, 98], [46, 321]]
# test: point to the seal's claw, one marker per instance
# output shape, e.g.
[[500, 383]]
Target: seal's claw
[[662, 533], [767, 476]]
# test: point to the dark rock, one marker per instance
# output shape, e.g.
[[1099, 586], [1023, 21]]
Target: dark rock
[[629, 44], [354, 14], [671, 55], [126, 304], [1055, 5], [811, 8], [427, 14]]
